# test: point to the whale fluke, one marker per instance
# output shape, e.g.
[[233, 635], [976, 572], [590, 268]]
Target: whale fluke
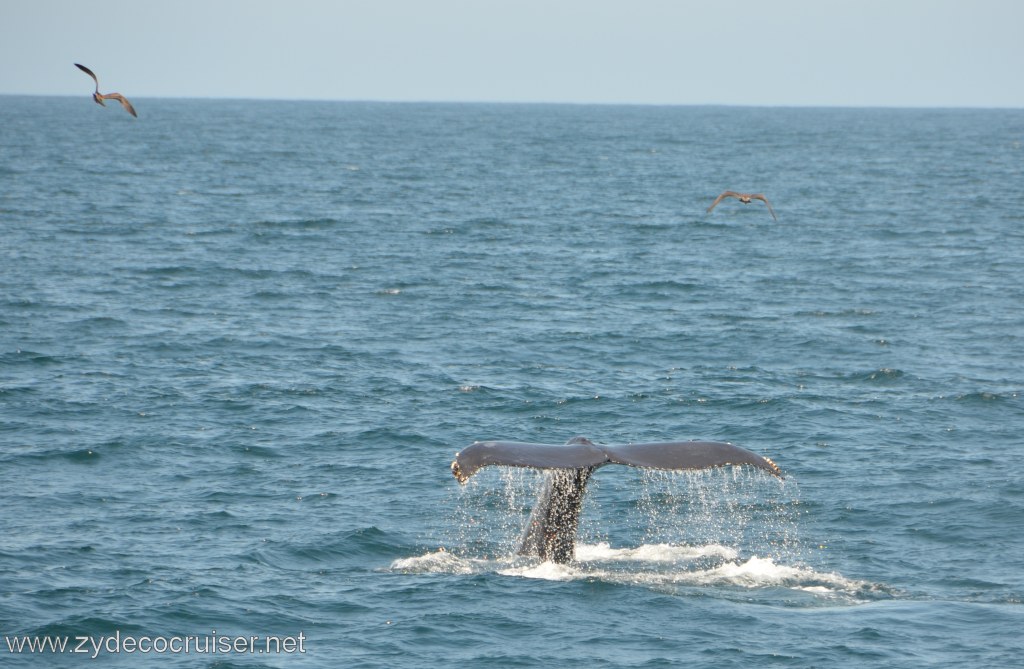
[[581, 452], [551, 531]]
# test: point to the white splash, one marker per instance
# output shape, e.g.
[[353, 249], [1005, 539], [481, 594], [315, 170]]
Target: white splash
[[755, 572], [547, 571], [437, 562], [652, 553], [660, 566], [721, 533]]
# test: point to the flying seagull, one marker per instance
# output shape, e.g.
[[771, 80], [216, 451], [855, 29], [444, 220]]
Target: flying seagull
[[100, 97], [745, 198]]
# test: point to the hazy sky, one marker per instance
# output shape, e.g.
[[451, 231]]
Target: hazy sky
[[742, 52]]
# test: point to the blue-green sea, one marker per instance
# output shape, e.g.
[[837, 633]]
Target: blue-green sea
[[241, 342]]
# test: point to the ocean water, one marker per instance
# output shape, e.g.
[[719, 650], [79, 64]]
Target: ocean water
[[241, 341]]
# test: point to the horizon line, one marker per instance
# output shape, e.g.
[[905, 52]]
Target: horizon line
[[412, 101]]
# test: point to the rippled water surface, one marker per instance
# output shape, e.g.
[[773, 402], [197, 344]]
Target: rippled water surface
[[240, 342]]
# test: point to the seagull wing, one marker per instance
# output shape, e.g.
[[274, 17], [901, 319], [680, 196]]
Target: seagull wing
[[721, 197], [83, 68], [762, 198], [123, 100]]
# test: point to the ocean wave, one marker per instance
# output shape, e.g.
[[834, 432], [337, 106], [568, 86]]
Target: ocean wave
[[52, 455], [881, 376], [313, 223], [360, 545], [982, 397]]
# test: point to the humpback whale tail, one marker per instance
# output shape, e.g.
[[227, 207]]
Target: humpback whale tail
[[551, 531]]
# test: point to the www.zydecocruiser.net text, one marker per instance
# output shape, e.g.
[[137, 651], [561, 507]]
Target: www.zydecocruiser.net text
[[127, 644]]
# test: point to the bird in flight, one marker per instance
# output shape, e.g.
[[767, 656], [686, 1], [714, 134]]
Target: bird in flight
[[745, 198], [100, 97]]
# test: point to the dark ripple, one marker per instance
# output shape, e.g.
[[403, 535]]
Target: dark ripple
[[369, 543]]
